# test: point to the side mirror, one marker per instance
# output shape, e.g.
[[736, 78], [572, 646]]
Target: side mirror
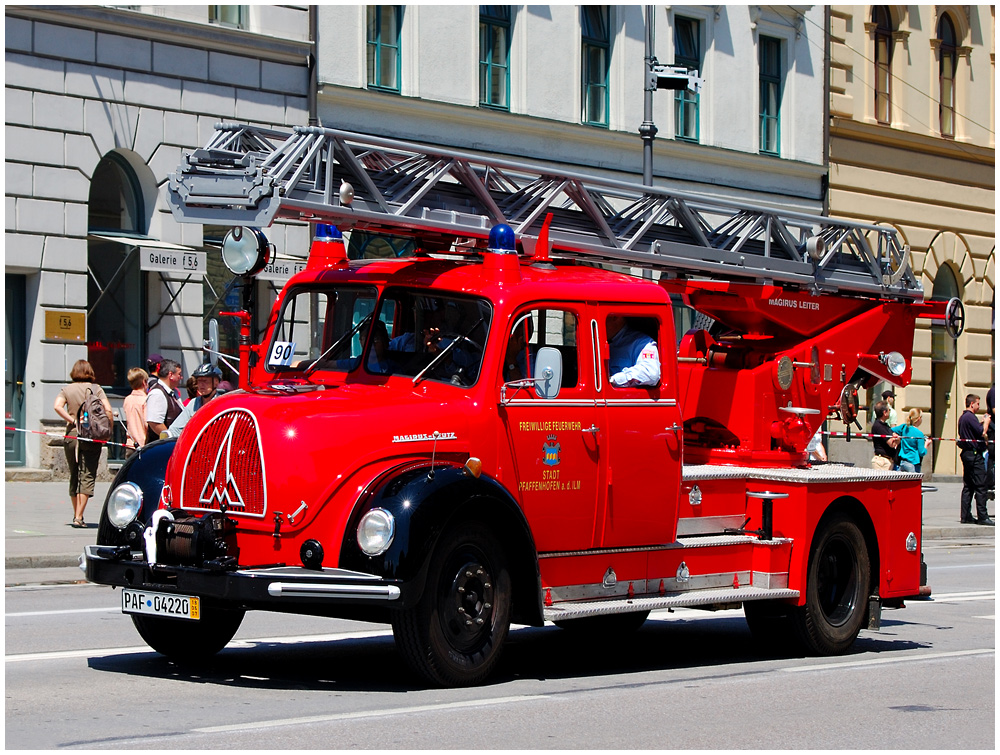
[[548, 372], [212, 344]]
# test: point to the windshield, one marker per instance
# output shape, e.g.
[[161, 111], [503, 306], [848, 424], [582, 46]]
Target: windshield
[[321, 327], [429, 337]]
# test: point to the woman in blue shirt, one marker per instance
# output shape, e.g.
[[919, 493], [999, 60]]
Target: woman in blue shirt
[[913, 444]]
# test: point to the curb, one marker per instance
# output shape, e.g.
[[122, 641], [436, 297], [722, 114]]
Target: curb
[[41, 562]]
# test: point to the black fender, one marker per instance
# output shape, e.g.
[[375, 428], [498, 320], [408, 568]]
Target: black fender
[[423, 505], [146, 468]]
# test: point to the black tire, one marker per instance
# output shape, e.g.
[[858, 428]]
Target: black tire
[[837, 588], [184, 641], [454, 635], [611, 624]]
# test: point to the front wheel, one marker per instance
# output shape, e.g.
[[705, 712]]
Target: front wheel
[[182, 640], [837, 588], [454, 635]]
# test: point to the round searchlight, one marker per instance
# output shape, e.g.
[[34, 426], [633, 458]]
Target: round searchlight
[[246, 251], [502, 239]]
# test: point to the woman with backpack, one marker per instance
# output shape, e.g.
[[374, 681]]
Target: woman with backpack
[[82, 456]]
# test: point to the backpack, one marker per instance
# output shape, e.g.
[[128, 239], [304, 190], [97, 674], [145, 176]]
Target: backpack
[[92, 421]]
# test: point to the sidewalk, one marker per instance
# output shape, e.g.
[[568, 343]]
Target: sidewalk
[[37, 535]]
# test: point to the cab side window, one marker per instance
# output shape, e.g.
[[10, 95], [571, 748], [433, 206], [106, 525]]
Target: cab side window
[[531, 331], [633, 353]]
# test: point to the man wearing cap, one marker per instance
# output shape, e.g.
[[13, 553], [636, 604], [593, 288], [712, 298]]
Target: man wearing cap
[[153, 364], [207, 380], [890, 400]]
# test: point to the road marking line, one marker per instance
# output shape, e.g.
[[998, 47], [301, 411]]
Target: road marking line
[[368, 714], [964, 594], [880, 661], [960, 597]]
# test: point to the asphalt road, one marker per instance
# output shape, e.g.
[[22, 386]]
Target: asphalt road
[[78, 676]]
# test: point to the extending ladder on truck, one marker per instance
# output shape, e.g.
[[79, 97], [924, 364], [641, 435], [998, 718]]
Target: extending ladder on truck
[[250, 176]]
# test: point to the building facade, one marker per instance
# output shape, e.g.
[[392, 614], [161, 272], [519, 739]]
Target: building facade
[[912, 145], [565, 84], [101, 103]]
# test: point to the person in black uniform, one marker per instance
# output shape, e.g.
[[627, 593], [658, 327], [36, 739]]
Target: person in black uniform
[[972, 444], [885, 442]]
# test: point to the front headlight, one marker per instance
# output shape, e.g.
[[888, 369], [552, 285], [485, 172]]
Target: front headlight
[[124, 504], [375, 532]]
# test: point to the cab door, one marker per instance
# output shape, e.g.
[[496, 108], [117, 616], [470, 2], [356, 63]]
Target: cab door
[[643, 439], [554, 450]]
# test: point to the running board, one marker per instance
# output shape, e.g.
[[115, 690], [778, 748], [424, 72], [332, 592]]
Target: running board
[[694, 599]]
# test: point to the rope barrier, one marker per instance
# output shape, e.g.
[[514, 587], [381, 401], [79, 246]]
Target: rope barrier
[[9, 428]]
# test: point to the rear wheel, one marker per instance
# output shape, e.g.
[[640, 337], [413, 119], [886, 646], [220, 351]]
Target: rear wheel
[[182, 640], [615, 623], [454, 635], [836, 589]]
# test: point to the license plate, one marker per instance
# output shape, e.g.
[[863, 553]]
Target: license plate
[[161, 604]]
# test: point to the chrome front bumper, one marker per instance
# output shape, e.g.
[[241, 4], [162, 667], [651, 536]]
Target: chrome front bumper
[[260, 587]]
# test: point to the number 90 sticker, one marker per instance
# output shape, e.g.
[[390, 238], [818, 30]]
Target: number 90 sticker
[[281, 354]]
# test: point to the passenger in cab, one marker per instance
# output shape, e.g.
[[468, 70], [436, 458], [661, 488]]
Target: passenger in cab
[[634, 359]]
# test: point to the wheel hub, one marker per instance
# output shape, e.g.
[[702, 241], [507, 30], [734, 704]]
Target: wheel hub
[[470, 604]]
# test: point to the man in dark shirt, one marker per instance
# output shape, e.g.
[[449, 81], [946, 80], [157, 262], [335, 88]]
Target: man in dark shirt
[[884, 441], [972, 444]]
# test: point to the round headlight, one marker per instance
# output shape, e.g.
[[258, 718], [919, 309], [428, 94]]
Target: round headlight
[[375, 532], [124, 504]]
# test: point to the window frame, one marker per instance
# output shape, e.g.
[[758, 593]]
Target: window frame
[[126, 275], [684, 99], [493, 18], [947, 55], [883, 68], [590, 43], [769, 79], [374, 48], [215, 16]]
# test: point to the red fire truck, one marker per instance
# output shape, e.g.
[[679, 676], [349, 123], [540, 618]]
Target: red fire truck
[[446, 438]]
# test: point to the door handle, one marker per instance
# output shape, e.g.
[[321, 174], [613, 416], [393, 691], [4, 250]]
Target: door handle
[[593, 429], [674, 428]]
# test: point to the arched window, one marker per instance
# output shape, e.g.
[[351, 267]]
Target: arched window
[[945, 287], [946, 75], [115, 294], [883, 63]]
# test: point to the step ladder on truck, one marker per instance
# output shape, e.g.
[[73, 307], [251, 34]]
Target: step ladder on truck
[[462, 457]]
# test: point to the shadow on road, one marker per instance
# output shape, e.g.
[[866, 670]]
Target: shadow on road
[[372, 664]]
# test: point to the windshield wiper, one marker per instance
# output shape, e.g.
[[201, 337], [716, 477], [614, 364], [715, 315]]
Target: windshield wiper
[[340, 342], [448, 348]]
